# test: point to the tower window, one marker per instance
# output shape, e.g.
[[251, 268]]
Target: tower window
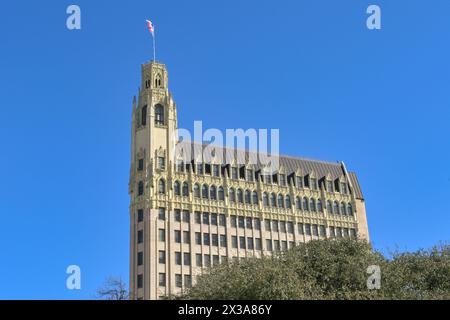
[[161, 186], [161, 163], [144, 115], [141, 164], [140, 188], [159, 115]]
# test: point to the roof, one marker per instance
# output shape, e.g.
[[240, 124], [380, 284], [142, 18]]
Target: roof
[[290, 164]]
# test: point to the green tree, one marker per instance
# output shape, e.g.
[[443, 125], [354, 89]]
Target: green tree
[[329, 269]]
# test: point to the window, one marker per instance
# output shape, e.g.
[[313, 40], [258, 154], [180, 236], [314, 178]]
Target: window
[[223, 241], [206, 239], [162, 235], [140, 281], [187, 259], [198, 260], [276, 245], [343, 208], [215, 260], [329, 186], [298, 203], [258, 244], [257, 224], [300, 228], [349, 209], [344, 188], [221, 194], [275, 225], [268, 225], [162, 257], [162, 279], [176, 188], [305, 204], [177, 234], [248, 197], [196, 190], [205, 191], [222, 220], [140, 236], [234, 173], [280, 201], [180, 166], [288, 202], [205, 218], [250, 244], [283, 226], [233, 221], [178, 258], [329, 207], [249, 175], [336, 207], [313, 183], [186, 237], [265, 199], [273, 203], [207, 260], [186, 216], [187, 281], [249, 223], [177, 215], [216, 171], [140, 258], [162, 214], [241, 242], [322, 231], [315, 230], [319, 205], [308, 229], [269, 245], [282, 178], [213, 193], [141, 164], [162, 163], [199, 168], [198, 217], [255, 197], [312, 204], [214, 219], [185, 189], [178, 280], [144, 116], [332, 232], [241, 221], [140, 188], [232, 195], [299, 182], [161, 186], [240, 196], [290, 227], [159, 115], [141, 215], [215, 239], [198, 238], [234, 242], [284, 245]]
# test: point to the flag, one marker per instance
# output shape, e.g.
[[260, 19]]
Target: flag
[[150, 27]]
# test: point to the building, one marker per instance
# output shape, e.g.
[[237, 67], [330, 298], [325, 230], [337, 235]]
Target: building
[[188, 215]]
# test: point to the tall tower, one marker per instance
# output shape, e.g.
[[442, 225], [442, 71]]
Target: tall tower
[[154, 121]]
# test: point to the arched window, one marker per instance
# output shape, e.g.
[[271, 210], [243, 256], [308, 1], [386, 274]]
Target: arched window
[[144, 115], [280, 201], [185, 189], [273, 200], [213, 193], [265, 199], [336, 207], [248, 197], [205, 191], [319, 205], [240, 196], [176, 188], [159, 114], [232, 194], [298, 203], [288, 202], [140, 188], [343, 208], [312, 204], [255, 197], [305, 204], [349, 209], [158, 81], [221, 194], [161, 186], [196, 190], [329, 207]]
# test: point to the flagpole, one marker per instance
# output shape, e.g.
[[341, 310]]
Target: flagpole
[[154, 49]]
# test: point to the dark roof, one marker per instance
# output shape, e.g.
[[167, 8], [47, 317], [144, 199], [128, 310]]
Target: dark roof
[[290, 164]]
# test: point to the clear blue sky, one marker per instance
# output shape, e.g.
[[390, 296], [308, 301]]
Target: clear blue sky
[[379, 100]]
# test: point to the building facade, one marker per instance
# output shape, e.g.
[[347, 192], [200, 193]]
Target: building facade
[[187, 215]]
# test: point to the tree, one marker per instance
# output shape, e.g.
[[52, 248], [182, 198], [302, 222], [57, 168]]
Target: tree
[[328, 269], [113, 289]]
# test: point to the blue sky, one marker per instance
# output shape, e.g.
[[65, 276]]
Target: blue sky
[[337, 91]]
